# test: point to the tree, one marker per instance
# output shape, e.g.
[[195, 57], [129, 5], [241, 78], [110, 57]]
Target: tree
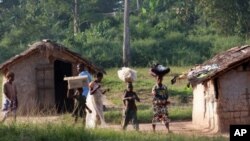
[[126, 39], [76, 21], [229, 17]]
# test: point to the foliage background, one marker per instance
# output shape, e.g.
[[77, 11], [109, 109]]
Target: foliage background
[[171, 32]]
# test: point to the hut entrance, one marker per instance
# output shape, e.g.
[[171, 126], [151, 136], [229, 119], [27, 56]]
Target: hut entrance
[[63, 103]]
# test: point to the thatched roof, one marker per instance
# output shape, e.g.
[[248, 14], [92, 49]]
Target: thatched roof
[[222, 63], [47, 47]]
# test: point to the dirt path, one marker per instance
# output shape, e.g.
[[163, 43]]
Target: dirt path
[[180, 127]]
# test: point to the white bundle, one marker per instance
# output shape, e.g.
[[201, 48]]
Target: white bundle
[[161, 68], [127, 74]]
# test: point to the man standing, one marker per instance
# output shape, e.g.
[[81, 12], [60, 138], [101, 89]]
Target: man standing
[[10, 96]]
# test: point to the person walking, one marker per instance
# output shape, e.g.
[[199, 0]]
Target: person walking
[[160, 102], [81, 96], [10, 102], [130, 108], [95, 102]]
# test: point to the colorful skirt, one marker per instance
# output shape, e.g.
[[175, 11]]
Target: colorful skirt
[[160, 114]]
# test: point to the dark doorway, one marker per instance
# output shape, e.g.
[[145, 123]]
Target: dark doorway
[[61, 69]]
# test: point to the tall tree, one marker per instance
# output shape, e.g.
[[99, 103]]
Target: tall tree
[[126, 39], [230, 17], [138, 5], [76, 18]]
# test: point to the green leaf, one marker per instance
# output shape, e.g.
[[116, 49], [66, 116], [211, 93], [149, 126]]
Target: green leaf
[[144, 11]]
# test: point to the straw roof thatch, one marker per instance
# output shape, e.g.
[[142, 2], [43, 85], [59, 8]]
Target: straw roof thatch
[[224, 61], [47, 47]]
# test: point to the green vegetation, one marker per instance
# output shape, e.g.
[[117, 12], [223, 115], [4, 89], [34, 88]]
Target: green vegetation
[[171, 32], [63, 129], [144, 80], [144, 84], [64, 132], [180, 109]]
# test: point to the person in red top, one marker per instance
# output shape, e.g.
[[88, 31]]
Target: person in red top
[[130, 109]]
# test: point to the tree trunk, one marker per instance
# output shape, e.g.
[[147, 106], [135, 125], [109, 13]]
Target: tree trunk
[[138, 5], [126, 40], [76, 24]]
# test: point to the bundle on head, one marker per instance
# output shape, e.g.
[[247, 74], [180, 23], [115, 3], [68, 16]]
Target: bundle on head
[[127, 74], [159, 70]]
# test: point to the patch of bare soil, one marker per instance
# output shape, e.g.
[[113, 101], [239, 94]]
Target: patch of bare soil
[[180, 127]]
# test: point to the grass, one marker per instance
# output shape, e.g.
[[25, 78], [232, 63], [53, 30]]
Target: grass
[[64, 132], [179, 95], [176, 113], [144, 80], [144, 84]]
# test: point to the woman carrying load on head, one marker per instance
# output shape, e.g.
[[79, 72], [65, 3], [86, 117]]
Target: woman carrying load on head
[[160, 97]]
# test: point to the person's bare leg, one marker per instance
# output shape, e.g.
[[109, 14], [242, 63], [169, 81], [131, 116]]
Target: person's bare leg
[[125, 124], [167, 126], [14, 112], [153, 125], [76, 119], [5, 116]]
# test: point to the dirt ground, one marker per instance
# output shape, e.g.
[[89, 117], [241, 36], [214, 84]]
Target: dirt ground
[[180, 127]]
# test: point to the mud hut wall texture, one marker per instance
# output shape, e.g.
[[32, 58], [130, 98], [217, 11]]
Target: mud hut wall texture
[[198, 105], [3, 80], [28, 80], [25, 80], [234, 98], [204, 106], [211, 114]]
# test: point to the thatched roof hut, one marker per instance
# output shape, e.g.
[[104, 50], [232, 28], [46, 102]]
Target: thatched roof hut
[[221, 90], [39, 76]]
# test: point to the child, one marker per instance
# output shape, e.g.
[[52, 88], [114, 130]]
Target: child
[[80, 105], [130, 109], [160, 97], [10, 96]]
